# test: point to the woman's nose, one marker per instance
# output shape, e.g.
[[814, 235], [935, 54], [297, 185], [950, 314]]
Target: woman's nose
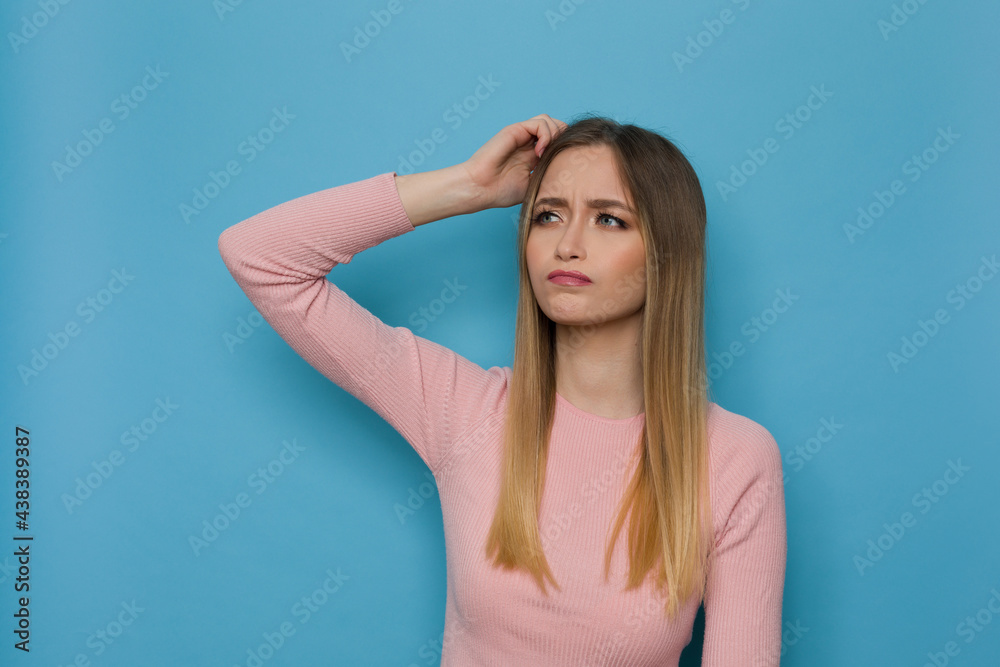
[[572, 242]]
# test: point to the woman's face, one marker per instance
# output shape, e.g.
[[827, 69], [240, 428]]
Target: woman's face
[[583, 221]]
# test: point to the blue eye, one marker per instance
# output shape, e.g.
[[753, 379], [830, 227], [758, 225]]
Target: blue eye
[[621, 223], [538, 217], [600, 216]]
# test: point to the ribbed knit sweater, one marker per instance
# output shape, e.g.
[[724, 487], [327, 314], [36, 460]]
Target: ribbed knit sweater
[[451, 411]]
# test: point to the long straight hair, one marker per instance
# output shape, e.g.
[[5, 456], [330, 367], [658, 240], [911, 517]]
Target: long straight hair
[[667, 499]]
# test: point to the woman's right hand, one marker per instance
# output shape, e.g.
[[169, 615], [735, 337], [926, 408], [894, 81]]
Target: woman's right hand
[[499, 170]]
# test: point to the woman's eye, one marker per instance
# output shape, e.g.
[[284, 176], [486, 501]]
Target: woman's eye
[[601, 217], [618, 221]]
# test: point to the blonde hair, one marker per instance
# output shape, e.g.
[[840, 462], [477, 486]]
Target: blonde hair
[[667, 498]]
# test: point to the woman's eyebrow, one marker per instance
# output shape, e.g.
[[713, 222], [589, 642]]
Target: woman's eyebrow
[[592, 203]]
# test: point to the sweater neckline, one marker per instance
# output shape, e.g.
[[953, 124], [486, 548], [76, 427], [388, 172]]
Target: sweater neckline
[[591, 416]]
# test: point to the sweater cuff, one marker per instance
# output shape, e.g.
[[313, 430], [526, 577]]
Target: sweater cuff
[[383, 192]]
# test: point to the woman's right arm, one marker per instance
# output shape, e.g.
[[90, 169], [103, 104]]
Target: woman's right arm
[[280, 258]]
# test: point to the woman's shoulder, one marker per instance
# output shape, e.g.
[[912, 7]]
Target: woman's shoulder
[[741, 450], [746, 477], [486, 397]]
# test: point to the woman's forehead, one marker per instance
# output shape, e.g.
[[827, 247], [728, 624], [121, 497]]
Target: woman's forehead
[[583, 173]]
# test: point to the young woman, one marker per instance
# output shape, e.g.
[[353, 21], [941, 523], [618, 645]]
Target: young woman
[[593, 496]]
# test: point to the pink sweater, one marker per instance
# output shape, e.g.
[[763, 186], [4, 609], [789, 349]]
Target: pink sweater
[[450, 410]]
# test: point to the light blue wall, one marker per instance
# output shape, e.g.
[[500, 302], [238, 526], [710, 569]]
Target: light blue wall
[[892, 556]]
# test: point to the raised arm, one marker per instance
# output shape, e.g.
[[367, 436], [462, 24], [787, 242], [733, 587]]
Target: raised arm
[[438, 194], [280, 258]]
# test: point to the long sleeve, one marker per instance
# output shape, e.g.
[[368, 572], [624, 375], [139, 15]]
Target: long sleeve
[[745, 586], [280, 258]]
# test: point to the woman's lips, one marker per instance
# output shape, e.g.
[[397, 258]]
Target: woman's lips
[[574, 278]]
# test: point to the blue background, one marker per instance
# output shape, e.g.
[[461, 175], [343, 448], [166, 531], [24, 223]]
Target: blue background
[[169, 334]]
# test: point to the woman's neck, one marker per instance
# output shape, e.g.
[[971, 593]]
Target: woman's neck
[[598, 369]]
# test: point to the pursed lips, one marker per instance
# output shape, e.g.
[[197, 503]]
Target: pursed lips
[[561, 277]]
